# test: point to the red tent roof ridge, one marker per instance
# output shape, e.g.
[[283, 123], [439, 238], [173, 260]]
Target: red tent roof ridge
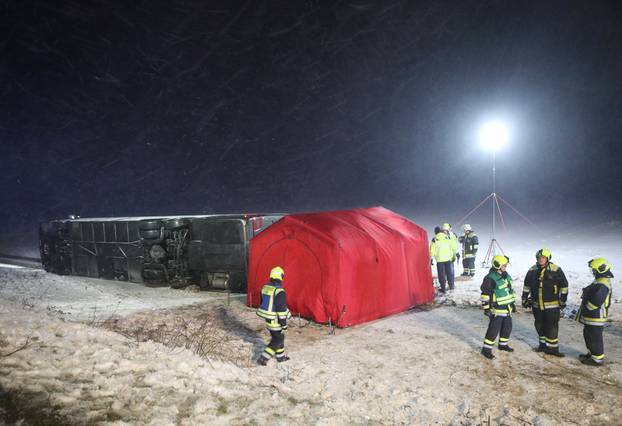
[[298, 217], [384, 225], [308, 226]]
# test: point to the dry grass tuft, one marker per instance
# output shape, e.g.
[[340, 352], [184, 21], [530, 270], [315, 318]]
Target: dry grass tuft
[[205, 332]]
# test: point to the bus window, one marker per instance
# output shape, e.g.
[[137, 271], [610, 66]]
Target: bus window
[[223, 232]]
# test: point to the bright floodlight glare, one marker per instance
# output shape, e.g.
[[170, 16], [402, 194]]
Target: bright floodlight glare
[[494, 136]]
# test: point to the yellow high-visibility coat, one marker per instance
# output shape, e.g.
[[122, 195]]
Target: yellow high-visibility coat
[[442, 248]]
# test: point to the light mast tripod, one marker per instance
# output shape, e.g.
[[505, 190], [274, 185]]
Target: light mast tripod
[[494, 244]]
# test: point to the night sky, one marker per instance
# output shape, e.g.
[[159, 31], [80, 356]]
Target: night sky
[[115, 108]]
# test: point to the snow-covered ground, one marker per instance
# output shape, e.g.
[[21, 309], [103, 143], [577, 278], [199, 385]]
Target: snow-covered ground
[[81, 351], [89, 299]]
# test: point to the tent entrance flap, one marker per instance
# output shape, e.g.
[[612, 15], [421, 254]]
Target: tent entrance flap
[[303, 267]]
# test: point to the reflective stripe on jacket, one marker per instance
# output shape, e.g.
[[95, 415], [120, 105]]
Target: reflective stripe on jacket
[[547, 286], [595, 302], [273, 306], [497, 293], [470, 244]]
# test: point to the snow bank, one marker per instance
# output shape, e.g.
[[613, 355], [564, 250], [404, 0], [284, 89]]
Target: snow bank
[[89, 299]]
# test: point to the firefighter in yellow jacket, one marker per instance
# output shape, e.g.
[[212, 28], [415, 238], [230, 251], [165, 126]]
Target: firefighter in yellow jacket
[[498, 302], [274, 310], [446, 228], [545, 291], [443, 252], [595, 302]]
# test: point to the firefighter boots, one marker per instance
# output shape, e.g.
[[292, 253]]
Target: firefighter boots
[[554, 352], [585, 356], [487, 352], [262, 360], [541, 347], [506, 348], [282, 358], [590, 361]]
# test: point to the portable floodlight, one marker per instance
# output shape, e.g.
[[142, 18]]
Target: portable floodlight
[[493, 136]]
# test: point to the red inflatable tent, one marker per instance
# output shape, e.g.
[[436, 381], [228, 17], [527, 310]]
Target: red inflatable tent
[[348, 266]]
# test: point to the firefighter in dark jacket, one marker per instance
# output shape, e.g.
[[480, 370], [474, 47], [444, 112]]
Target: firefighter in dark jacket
[[274, 310], [470, 244], [498, 302], [595, 302], [545, 291], [437, 229]]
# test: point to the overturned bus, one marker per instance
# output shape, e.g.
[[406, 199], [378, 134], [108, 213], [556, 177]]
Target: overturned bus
[[209, 251]]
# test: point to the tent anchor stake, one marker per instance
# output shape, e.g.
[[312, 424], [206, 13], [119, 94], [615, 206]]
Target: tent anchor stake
[[331, 329]]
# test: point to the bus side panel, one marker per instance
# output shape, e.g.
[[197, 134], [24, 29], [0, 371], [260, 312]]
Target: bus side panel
[[218, 249]]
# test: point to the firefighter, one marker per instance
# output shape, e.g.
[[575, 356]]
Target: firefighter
[[274, 310], [595, 302], [545, 291], [470, 244], [442, 251], [498, 302]]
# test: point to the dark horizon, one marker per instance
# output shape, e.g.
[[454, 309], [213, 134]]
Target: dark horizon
[[164, 108]]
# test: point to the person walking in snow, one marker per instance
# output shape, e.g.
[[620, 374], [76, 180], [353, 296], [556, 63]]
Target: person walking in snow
[[274, 310], [545, 291], [498, 299], [595, 302], [442, 251], [470, 244]]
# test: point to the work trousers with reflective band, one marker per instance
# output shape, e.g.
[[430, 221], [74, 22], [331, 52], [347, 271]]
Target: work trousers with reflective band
[[468, 264], [445, 274], [276, 347], [593, 336], [498, 326], [547, 326]]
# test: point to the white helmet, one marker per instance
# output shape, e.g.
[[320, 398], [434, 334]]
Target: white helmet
[[466, 227]]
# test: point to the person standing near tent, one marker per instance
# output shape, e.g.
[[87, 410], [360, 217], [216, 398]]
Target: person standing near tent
[[498, 302], [446, 228], [442, 251], [437, 229], [274, 310], [595, 302], [545, 291], [470, 244]]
